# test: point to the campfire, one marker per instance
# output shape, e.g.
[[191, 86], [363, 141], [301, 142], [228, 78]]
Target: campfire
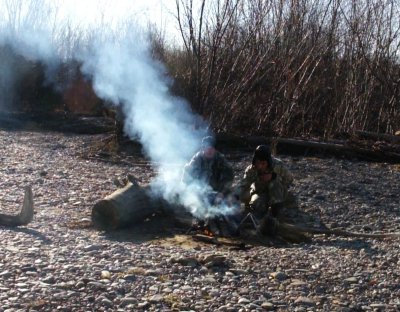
[[133, 204]]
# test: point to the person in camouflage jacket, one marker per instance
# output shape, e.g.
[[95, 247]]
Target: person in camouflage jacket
[[210, 167], [265, 183]]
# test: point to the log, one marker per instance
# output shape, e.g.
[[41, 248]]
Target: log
[[295, 233], [126, 206], [303, 147], [26, 214], [379, 136], [340, 232]]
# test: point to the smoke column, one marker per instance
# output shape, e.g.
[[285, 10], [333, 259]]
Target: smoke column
[[123, 73]]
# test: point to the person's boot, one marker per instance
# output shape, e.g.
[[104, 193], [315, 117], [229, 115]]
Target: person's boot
[[268, 226], [275, 209]]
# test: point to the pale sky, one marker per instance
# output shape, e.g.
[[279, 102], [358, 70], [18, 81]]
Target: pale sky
[[159, 12], [92, 12]]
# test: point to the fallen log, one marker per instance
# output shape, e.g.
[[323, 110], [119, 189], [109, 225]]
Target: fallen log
[[309, 147], [379, 136], [126, 206], [297, 233], [284, 145], [26, 214], [337, 150], [340, 232]]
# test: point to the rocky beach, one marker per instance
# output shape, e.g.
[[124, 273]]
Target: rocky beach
[[59, 262]]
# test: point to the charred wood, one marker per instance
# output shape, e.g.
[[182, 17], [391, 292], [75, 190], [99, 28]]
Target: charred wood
[[205, 239]]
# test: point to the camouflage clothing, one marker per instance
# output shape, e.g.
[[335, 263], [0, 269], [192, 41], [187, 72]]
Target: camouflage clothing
[[257, 194], [216, 171]]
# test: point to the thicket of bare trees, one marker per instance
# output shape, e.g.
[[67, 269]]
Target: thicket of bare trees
[[295, 67]]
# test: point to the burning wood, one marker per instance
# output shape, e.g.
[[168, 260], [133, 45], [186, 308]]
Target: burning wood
[[26, 214], [205, 239], [208, 233]]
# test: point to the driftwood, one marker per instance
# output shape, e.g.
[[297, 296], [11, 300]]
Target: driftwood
[[308, 147], [339, 232], [378, 136], [345, 149], [297, 233], [126, 206], [26, 214]]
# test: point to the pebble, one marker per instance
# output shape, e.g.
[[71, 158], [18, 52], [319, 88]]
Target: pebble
[[243, 301], [304, 301], [351, 280], [105, 275], [156, 298], [279, 276], [267, 306]]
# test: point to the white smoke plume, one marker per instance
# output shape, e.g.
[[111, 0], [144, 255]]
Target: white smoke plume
[[123, 73]]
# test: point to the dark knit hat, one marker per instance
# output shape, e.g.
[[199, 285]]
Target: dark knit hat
[[262, 152], [208, 141]]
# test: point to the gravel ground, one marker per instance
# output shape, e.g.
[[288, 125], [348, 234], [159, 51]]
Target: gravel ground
[[52, 265]]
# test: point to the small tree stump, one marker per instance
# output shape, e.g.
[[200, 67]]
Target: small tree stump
[[126, 206]]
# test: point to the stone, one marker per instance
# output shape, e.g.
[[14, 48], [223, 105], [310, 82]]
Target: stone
[[279, 276], [105, 275], [304, 301], [156, 298], [243, 301], [266, 305], [127, 301], [351, 280]]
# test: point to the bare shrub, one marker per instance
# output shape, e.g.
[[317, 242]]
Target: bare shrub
[[291, 67]]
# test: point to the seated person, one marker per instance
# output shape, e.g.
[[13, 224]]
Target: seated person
[[210, 167], [264, 186]]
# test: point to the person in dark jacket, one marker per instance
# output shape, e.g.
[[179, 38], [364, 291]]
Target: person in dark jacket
[[210, 167]]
